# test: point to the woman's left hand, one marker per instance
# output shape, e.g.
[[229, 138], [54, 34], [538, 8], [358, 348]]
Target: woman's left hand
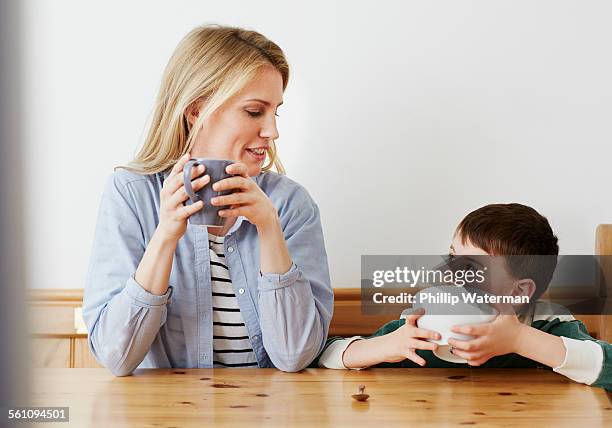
[[248, 199]]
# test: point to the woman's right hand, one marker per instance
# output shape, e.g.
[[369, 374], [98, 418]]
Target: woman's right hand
[[173, 214]]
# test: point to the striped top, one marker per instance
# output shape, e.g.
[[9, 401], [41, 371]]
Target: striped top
[[231, 344]]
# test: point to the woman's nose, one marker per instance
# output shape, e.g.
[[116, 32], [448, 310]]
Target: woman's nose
[[269, 130]]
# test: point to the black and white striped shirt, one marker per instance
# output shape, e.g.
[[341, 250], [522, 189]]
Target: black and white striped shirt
[[231, 343]]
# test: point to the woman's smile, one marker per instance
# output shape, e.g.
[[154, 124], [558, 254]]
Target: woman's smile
[[257, 153]]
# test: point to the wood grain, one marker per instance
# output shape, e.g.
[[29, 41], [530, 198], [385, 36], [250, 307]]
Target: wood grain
[[319, 397], [83, 358], [55, 294], [348, 319], [50, 352], [52, 317]]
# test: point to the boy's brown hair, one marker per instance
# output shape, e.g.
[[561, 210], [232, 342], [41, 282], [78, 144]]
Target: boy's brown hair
[[514, 230]]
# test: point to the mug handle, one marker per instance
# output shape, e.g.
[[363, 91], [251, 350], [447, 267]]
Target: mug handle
[[187, 179]]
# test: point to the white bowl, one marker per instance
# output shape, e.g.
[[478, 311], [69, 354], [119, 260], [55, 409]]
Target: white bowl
[[441, 317], [443, 324]]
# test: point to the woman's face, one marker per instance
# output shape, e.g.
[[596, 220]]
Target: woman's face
[[242, 128]]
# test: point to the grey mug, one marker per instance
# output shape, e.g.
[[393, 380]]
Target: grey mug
[[209, 214]]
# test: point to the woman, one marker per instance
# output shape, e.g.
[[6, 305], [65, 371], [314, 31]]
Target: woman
[[160, 293]]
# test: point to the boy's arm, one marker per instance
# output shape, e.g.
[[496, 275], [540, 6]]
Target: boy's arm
[[393, 342], [365, 353], [586, 360], [540, 346], [565, 346], [332, 356]]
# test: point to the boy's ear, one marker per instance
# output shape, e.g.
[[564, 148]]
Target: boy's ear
[[524, 287]]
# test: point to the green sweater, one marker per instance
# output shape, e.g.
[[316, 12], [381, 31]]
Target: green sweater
[[571, 329]]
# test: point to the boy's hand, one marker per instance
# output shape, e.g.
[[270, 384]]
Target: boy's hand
[[499, 337], [403, 342]]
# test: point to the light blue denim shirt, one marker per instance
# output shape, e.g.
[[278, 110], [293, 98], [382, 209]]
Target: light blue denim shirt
[[287, 316]]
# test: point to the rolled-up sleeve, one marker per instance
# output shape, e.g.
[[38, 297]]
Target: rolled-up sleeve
[[296, 307], [122, 318]]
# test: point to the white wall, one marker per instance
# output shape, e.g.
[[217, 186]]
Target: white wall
[[413, 113]]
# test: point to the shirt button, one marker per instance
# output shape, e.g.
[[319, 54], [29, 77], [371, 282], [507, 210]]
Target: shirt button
[[230, 249], [241, 291]]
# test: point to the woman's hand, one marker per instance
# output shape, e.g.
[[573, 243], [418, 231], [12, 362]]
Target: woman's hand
[[248, 199], [173, 214]]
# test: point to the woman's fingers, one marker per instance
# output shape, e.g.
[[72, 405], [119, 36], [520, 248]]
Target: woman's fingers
[[181, 195], [237, 169], [237, 182], [185, 211], [177, 180], [236, 198], [178, 166], [234, 212]]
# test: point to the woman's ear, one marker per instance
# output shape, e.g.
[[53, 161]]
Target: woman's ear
[[524, 287], [193, 110], [192, 113]]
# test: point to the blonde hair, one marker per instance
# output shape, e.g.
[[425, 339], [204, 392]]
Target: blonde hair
[[211, 63]]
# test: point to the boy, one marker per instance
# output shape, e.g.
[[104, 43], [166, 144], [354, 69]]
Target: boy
[[532, 338]]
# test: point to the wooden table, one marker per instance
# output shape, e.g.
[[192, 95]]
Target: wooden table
[[319, 397]]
